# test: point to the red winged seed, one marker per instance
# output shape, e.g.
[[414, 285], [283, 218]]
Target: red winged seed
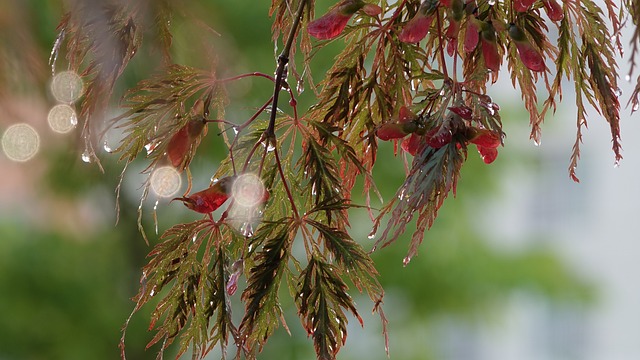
[[553, 9], [488, 155], [331, 24]]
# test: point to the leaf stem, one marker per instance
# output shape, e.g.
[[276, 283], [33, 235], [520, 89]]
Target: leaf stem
[[283, 60]]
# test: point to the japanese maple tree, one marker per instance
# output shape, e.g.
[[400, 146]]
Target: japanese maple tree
[[415, 73]]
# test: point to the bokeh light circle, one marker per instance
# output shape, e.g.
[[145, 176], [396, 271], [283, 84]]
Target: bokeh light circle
[[67, 86], [248, 190], [20, 142], [165, 181], [62, 118]]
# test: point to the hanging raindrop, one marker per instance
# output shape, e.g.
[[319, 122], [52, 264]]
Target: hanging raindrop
[[106, 147], [86, 156]]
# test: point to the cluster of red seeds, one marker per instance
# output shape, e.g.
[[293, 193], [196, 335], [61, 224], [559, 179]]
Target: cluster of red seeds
[[478, 31], [458, 129]]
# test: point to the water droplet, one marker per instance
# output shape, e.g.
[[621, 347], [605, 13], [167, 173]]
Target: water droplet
[[618, 92], [401, 195], [627, 78], [269, 145], [491, 2], [155, 215], [536, 142], [300, 86], [441, 92], [236, 130], [616, 164], [371, 235], [246, 230], [150, 147], [106, 147], [406, 261], [636, 105], [86, 156]]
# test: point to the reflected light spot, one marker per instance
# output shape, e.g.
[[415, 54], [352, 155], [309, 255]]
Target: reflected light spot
[[248, 190], [62, 118], [165, 181], [67, 87], [20, 142]]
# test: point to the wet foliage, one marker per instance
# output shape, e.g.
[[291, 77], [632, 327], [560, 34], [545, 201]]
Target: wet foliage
[[415, 73]]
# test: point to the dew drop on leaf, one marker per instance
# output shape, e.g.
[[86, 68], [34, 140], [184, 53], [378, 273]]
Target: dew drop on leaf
[[300, 86], [627, 78], [491, 2], [635, 107], [618, 92]]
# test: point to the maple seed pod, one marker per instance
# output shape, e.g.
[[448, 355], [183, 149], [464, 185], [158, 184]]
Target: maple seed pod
[[331, 24], [390, 131], [405, 115], [530, 57], [489, 46], [472, 34], [485, 138], [209, 200], [488, 155], [553, 9], [405, 125], [182, 142], [372, 9], [418, 27], [522, 5], [438, 137], [463, 111], [413, 144]]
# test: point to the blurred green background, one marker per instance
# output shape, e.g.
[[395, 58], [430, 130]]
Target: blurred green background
[[67, 273]]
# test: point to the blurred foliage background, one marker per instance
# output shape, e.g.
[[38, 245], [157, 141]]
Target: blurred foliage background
[[67, 272]]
